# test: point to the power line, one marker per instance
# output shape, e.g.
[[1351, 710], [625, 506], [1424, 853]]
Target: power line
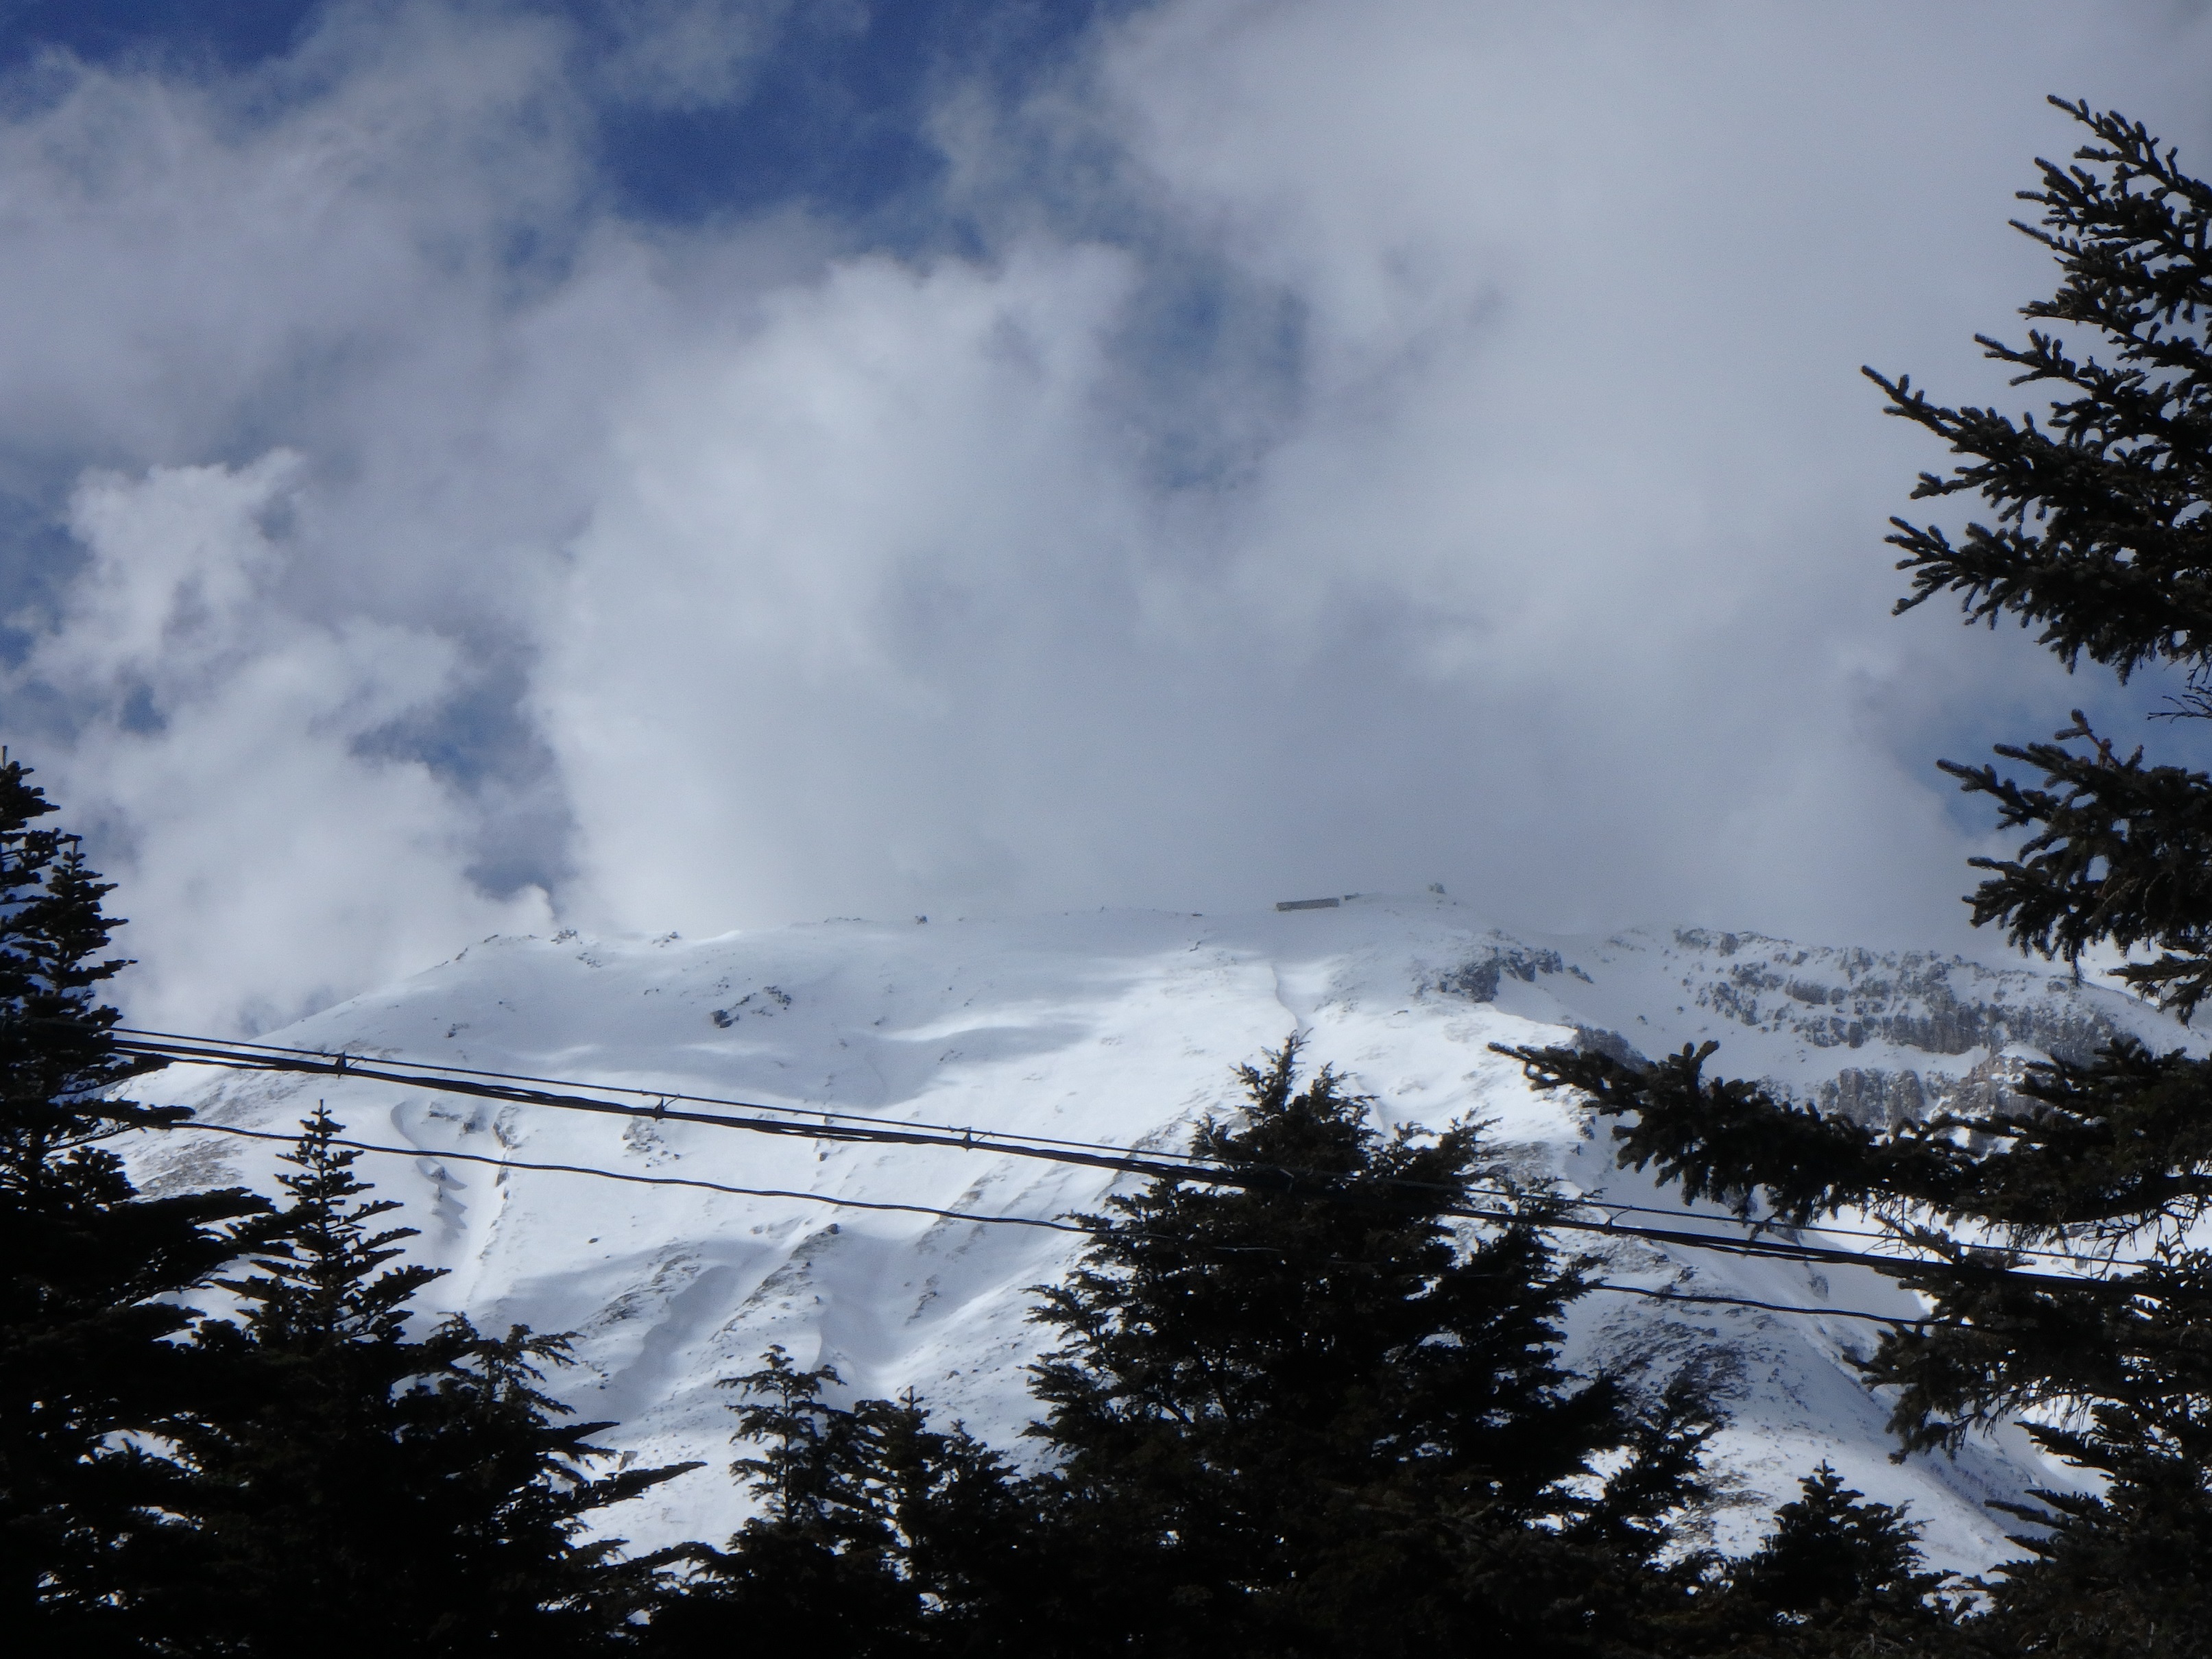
[[1053, 1225], [1768, 1307], [825, 1123], [177, 1045], [257, 1057], [217, 1051], [833, 1127], [1262, 1178], [652, 1181]]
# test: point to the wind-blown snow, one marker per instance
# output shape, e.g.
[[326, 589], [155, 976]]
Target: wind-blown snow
[[1124, 1028]]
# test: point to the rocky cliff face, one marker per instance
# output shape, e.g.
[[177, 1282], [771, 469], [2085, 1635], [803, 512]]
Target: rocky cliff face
[[1970, 1028], [1120, 1028]]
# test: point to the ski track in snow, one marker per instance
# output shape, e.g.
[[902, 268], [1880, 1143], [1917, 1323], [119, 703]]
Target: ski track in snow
[[1122, 1027]]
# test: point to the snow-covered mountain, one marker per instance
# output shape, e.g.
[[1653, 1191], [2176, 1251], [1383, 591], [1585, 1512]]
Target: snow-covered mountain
[[1117, 1027]]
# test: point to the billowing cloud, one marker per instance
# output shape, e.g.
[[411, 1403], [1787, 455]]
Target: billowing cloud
[[1288, 448], [223, 756]]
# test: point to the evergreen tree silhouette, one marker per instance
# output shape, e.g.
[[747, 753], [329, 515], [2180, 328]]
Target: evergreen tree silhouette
[[2102, 538], [2121, 1571], [91, 1384], [1304, 1416], [1836, 1575], [878, 1536], [374, 1493]]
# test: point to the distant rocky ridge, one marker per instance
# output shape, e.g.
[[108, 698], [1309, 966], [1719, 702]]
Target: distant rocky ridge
[[1828, 997]]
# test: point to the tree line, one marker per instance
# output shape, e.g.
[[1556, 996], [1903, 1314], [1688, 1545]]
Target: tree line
[[1301, 1417]]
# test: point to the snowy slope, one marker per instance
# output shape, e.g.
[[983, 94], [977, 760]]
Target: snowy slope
[[1115, 1027]]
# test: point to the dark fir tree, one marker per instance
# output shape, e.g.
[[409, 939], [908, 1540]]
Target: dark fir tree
[[813, 1569], [2100, 535], [1306, 1415], [371, 1492], [90, 1383], [877, 1534], [1295, 1410], [1836, 1575]]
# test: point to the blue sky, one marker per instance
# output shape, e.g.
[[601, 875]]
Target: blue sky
[[470, 466], [830, 108]]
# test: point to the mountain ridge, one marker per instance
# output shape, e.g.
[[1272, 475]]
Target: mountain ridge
[[1122, 1027]]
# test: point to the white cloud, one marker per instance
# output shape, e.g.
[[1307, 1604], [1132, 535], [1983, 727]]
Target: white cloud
[[445, 536], [840, 561], [223, 750]]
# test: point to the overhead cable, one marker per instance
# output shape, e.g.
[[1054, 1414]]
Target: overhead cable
[[980, 1218], [1256, 1177], [813, 1122]]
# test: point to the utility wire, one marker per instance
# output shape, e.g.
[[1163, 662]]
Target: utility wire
[[664, 1109], [217, 1051], [259, 1057], [181, 1046], [437, 1157], [1053, 1225], [852, 1127], [1259, 1177], [1768, 1307], [1262, 1178]]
